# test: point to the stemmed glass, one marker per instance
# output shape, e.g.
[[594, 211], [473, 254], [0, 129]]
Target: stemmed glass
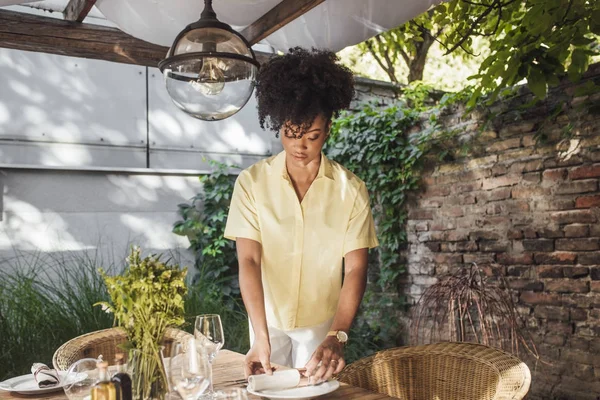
[[189, 369], [209, 333]]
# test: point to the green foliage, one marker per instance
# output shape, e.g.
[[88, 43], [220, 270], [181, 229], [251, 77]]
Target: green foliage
[[203, 223], [535, 40], [374, 143], [215, 289], [45, 300], [48, 299], [146, 299]]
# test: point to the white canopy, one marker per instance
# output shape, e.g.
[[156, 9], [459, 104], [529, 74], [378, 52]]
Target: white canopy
[[334, 24]]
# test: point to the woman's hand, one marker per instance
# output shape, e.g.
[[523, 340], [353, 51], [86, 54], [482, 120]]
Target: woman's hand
[[326, 361], [258, 358]]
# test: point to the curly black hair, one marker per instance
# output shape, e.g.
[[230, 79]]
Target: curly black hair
[[297, 87]]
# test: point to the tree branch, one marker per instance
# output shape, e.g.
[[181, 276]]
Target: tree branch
[[391, 74]]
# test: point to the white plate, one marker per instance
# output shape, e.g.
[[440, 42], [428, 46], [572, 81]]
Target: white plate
[[301, 393], [26, 384]]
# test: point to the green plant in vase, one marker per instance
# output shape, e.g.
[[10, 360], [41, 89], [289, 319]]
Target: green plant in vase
[[146, 300]]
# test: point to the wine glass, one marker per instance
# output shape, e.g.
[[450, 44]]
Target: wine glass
[[209, 331], [189, 369]]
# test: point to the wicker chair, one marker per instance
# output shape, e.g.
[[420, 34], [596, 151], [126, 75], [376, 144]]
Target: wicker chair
[[441, 371], [105, 342]]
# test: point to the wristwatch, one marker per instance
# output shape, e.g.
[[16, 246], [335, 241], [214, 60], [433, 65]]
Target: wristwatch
[[341, 336]]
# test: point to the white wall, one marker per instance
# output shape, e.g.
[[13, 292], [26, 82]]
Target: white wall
[[76, 139]]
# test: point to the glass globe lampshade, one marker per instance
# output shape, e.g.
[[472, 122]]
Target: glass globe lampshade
[[210, 71]]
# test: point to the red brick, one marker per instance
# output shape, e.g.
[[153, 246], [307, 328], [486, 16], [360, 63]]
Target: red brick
[[532, 177], [581, 244], [567, 286], [552, 204], [578, 314], [469, 199], [530, 233], [492, 183], [557, 257], [592, 258], [550, 233], [459, 246], [485, 235], [595, 274], [577, 342], [595, 286], [448, 258], [558, 174], [517, 129], [529, 166], [494, 221], [515, 259], [529, 297], [524, 272], [504, 145], [555, 340], [588, 201], [495, 209], [421, 227], [545, 245], [455, 236], [420, 214], [492, 246], [479, 259], [442, 226], [590, 185], [453, 211], [595, 230], [576, 230], [516, 206], [573, 216], [468, 187], [529, 192], [525, 284], [498, 170], [514, 234], [434, 191], [494, 195], [576, 272], [552, 313], [433, 246], [550, 271], [585, 171]]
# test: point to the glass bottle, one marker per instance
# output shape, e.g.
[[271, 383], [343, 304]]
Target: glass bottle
[[121, 379], [104, 389]]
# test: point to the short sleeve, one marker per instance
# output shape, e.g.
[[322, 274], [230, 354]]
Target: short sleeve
[[360, 233], [242, 221]]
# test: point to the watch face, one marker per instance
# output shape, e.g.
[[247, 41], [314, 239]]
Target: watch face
[[342, 336]]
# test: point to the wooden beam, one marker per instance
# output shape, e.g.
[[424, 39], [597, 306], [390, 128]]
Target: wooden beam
[[280, 15], [77, 10], [30, 32]]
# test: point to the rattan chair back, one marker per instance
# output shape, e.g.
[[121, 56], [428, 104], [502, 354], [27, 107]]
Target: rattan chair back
[[106, 343], [441, 371]]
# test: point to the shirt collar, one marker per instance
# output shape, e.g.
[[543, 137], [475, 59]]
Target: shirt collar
[[325, 168]]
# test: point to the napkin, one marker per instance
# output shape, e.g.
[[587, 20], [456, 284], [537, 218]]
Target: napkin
[[44, 376], [280, 380]]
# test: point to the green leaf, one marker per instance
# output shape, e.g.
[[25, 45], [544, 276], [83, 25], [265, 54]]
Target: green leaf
[[536, 82]]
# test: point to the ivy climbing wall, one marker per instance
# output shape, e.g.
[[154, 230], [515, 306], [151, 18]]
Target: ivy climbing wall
[[525, 204]]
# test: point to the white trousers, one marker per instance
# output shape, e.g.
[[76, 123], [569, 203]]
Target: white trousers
[[294, 348]]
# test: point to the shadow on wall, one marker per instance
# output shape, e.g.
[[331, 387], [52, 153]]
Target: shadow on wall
[[65, 111], [56, 211]]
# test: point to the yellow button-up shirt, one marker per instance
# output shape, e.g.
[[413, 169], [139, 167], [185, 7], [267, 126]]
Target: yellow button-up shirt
[[303, 244]]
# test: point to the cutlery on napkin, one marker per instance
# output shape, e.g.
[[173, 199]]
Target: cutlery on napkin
[[280, 380], [44, 376]]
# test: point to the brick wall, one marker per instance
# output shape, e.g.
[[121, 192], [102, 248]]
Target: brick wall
[[532, 208]]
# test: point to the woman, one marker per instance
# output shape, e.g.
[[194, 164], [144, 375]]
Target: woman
[[295, 217]]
